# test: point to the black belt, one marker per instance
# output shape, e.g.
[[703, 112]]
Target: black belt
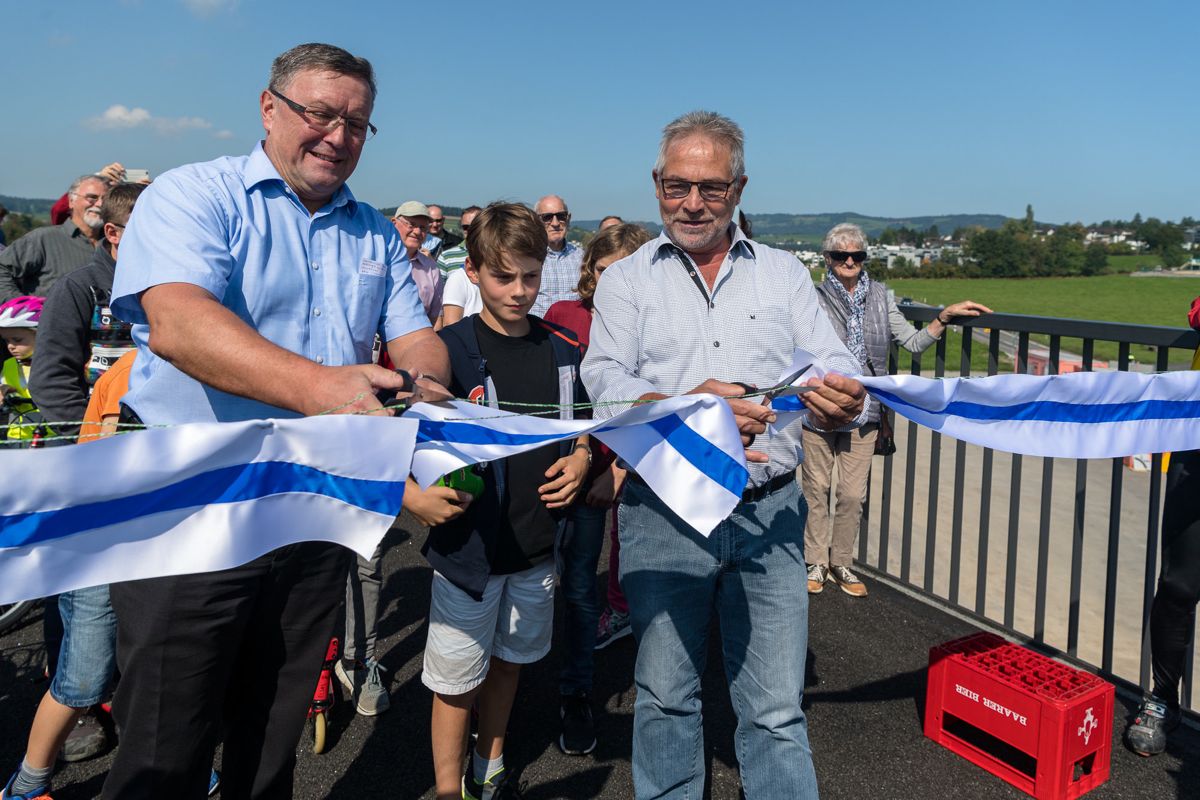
[[754, 493]]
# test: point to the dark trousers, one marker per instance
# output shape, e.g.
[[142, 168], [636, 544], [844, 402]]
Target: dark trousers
[[230, 655], [1173, 615]]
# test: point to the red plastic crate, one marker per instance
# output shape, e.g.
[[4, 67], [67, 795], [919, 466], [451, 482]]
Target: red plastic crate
[[1044, 727]]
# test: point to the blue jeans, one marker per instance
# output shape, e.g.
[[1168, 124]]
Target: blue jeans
[[751, 572], [87, 656], [578, 553]]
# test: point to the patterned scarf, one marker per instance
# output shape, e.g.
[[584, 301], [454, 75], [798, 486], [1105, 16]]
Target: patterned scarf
[[856, 305]]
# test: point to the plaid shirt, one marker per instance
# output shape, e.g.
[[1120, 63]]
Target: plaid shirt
[[560, 276], [657, 330]]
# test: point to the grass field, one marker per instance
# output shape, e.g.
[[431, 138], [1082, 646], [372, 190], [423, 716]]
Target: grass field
[[1134, 263], [1112, 298]]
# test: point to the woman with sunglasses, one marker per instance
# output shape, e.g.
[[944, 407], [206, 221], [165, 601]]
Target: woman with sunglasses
[[867, 320]]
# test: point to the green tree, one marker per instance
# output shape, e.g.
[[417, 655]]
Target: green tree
[[1095, 259]]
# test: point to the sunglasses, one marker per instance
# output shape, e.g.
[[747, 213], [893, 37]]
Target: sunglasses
[[840, 256], [561, 216]]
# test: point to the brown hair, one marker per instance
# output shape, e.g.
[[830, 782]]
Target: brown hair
[[505, 228], [319, 57], [118, 204], [615, 240]]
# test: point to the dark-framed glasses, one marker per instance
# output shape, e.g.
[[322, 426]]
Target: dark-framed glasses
[[676, 189], [561, 216], [322, 119], [840, 256]]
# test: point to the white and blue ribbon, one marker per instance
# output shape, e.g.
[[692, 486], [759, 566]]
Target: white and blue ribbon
[[1078, 415], [196, 498], [687, 449]]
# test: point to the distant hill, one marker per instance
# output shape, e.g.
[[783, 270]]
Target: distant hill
[[808, 226], [25, 205], [814, 226]]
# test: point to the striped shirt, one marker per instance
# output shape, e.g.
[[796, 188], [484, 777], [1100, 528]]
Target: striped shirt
[[560, 276], [452, 259], [657, 330]]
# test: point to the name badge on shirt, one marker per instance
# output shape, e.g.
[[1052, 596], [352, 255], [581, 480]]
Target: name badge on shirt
[[369, 267]]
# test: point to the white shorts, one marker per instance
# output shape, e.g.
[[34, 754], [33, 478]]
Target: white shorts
[[513, 622]]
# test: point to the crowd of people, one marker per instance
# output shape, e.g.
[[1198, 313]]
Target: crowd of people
[[258, 286]]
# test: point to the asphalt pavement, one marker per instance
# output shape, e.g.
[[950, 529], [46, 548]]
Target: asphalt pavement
[[865, 701]]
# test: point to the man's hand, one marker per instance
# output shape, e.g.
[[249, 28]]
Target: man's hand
[[606, 487], [571, 470], [114, 172], [351, 390], [436, 505], [836, 401], [428, 390], [752, 418]]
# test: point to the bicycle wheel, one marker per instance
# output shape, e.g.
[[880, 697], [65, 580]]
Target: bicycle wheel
[[11, 614], [318, 721]]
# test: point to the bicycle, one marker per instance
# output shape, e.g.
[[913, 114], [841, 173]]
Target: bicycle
[[12, 615], [323, 698]]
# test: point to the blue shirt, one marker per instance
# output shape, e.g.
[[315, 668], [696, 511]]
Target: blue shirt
[[319, 285], [560, 277], [657, 328]]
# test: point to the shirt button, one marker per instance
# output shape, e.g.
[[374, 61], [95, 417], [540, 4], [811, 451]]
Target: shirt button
[[320, 359], [316, 265], [716, 344], [316, 312]]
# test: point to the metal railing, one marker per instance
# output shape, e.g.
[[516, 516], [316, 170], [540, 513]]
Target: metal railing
[[1110, 544]]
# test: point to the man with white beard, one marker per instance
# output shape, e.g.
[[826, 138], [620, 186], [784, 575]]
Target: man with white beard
[[31, 264]]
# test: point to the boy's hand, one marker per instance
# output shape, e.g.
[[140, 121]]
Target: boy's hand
[[571, 471], [436, 505], [606, 487]]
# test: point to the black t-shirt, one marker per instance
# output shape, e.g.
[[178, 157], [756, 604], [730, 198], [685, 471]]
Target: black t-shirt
[[522, 369]]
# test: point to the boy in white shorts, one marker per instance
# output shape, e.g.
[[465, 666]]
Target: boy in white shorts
[[492, 606]]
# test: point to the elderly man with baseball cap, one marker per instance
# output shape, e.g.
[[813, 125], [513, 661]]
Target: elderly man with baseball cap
[[412, 221]]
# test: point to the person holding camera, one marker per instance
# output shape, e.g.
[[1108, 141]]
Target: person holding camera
[[865, 317]]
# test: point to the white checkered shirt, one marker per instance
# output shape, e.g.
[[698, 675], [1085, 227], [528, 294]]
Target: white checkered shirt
[[655, 330], [560, 276]]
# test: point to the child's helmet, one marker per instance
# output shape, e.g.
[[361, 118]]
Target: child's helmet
[[21, 312]]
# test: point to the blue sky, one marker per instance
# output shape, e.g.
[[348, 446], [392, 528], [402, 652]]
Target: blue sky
[[1087, 110]]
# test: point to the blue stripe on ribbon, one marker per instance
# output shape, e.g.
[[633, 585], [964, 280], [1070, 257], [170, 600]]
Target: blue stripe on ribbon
[[791, 402], [1056, 411], [473, 433], [232, 484], [702, 454]]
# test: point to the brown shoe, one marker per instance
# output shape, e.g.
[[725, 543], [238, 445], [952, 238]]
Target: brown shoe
[[850, 583], [817, 575]]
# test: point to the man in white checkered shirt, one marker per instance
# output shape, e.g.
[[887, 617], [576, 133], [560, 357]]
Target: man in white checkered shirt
[[696, 310], [560, 270]]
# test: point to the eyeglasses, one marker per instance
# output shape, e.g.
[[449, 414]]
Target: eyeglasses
[[465, 229], [92, 199], [840, 256], [675, 189], [412, 224], [561, 216], [323, 120]]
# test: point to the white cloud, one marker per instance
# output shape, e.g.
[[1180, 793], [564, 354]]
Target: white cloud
[[120, 117], [224, 134], [207, 8]]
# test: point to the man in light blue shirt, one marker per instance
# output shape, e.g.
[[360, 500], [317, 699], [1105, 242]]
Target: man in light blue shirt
[[257, 286], [704, 309], [560, 270]]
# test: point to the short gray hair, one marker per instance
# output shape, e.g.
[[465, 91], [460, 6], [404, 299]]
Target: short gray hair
[[91, 176], [840, 233], [712, 125], [320, 57]]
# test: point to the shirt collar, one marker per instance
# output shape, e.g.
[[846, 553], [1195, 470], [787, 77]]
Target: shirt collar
[[664, 247], [260, 169], [73, 230]]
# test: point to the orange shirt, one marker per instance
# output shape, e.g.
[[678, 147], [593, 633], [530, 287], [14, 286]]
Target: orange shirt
[[106, 398]]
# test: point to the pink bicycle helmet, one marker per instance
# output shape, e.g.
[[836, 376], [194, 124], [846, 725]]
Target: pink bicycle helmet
[[21, 312]]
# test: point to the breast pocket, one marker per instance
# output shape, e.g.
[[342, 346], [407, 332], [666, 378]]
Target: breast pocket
[[363, 312]]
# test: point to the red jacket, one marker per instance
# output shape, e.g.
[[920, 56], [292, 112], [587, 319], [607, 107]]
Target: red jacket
[[1194, 314]]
